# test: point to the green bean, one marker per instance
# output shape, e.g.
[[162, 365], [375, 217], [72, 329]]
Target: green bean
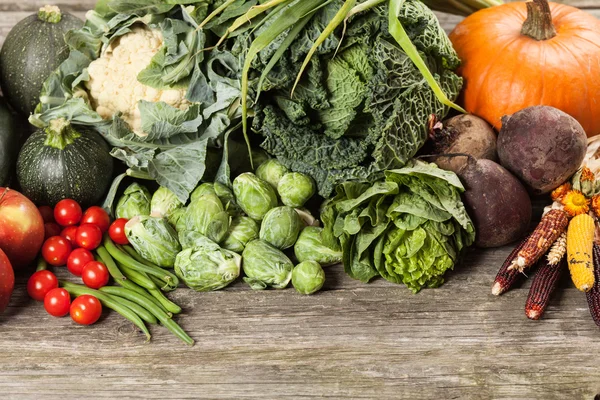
[[109, 301], [129, 284], [165, 302], [140, 278], [107, 260], [125, 259], [164, 286], [150, 306], [129, 302], [41, 264]]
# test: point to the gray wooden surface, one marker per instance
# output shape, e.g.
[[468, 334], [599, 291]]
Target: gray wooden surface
[[349, 341]]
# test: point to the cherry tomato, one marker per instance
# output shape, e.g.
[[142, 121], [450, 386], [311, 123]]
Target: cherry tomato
[[51, 229], [67, 212], [95, 275], [86, 309], [40, 283], [70, 233], [56, 250], [117, 231], [88, 236], [96, 216], [57, 302], [47, 213], [77, 260]]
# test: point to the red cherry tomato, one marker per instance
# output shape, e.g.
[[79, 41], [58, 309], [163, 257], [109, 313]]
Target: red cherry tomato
[[51, 229], [69, 233], [40, 283], [86, 309], [117, 231], [67, 212], [56, 250], [47, 213], [88, 236], [77, 260], [96, 216], [57, 302], [95, 275]]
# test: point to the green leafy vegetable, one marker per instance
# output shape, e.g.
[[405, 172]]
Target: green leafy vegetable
[[265, 266], [310, 247], [134, 202], [154, 239], [408, 228], [207, 216], [281, 227], [242, 231], [308, 277]]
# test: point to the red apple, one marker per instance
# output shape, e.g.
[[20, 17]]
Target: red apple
[[21, 228], [7, 281]]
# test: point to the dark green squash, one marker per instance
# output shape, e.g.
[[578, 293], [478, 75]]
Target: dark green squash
[[61, 162], [10, 134], [33, 49]]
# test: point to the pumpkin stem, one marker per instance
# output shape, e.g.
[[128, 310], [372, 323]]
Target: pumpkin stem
[[60, 134], [538, 24], [50, 14]]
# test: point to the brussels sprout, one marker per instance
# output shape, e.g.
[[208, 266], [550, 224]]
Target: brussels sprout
[[189, 239], [308, 277], [266, 266], [154, 239], [271, 171], [205, 188], [241, 231], [281, 227], [207, 216], [176, 216], [307, 218], [255, 196], [222, 192], [134, 202], [295, 189], [310, 247], [164, 203], [206, 266], [259, 157]]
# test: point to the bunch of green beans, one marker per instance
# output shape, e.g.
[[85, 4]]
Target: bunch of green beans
[[139, 296]]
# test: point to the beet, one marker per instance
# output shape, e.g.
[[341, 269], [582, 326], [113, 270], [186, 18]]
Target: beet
[[542, 146], [465, 134], [497, 202]]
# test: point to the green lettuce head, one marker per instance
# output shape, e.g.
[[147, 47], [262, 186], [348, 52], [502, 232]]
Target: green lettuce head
[[206, 266], [310, 247], [308, 277], [164, 203], [255, 196], [266, 266], [410, 227], [134, 202], [154, 239], [295, 189], [206, 215], [281, 227], [271, 171], [242, 231]]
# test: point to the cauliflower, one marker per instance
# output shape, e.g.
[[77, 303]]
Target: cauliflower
[[113, 86]]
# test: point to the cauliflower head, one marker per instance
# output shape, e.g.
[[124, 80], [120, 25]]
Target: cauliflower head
[[113, 86]]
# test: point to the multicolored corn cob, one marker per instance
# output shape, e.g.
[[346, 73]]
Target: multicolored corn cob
[[593, 296], [506, 277], [552, 225], [544, 283]]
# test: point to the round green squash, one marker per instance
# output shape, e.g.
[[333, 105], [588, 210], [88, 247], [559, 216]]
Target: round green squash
[[9, 142], [33, 49], [61, 162]]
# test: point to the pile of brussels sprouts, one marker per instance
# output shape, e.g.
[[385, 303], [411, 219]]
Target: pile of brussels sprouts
[[223, 230]]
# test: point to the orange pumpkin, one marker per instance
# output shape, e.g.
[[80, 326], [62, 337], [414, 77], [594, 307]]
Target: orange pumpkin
[[525, 54]]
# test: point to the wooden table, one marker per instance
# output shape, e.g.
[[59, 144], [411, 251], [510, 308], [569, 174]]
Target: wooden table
[[349, 341]]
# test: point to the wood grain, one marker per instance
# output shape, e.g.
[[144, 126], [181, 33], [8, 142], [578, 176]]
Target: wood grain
[[349, 341]]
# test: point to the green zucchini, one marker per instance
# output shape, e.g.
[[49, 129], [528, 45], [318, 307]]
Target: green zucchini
[[62, 161]]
